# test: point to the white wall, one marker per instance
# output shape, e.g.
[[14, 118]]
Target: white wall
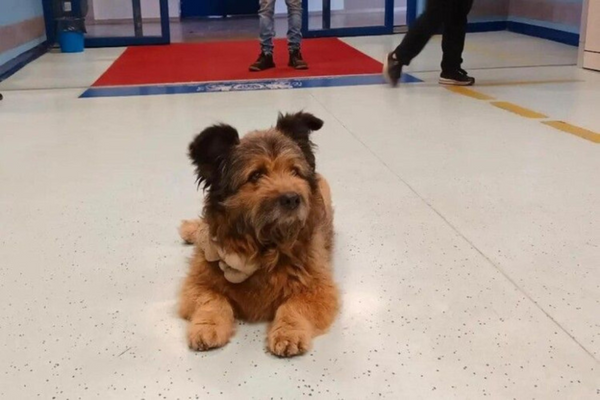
[[22, 23], [591, 33], [121, 9]]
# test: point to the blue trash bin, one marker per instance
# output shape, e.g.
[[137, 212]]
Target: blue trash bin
[[70, 34], [71, 42]]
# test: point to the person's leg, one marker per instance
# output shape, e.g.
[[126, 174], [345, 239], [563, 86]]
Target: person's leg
[[453, 43], [415, 40], [426, 25], [266, 15], [294, 34], [453, 40]]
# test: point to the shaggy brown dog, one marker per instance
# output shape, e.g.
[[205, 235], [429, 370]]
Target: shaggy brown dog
[[265, 203]]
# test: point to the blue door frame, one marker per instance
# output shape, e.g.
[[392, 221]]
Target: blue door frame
[[385, 29], [113, 41], [411, 12]]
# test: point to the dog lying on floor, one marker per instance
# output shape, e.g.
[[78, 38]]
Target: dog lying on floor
[[267, 209]]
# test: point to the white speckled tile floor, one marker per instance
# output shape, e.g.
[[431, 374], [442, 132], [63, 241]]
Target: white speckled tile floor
[[467, 244]]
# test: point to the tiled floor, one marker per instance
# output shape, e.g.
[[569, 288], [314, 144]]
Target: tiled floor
[[468, 237]]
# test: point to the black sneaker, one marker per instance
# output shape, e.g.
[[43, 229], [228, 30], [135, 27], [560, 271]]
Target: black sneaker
[[265, 61], [296, 60], [392, 70], [456, 78]]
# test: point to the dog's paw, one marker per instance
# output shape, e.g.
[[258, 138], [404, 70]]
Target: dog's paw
[[288, 341], [206, 335], [188, 230]]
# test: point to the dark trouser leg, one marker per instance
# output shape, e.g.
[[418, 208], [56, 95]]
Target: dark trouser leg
[[453, 40], [419, 34]]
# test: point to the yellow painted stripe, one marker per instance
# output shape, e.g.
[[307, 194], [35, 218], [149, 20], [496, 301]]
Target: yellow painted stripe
[[522, 111], [574, 130], [469, 92]]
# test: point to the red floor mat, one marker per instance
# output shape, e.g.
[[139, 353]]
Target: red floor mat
[[225, 61]]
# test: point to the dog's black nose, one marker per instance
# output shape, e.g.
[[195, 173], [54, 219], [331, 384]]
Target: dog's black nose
[[290, 201]]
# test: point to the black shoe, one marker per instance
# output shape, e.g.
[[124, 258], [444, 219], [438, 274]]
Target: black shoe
[[265, 61], [392, 70], [456, 78], [296, 60]]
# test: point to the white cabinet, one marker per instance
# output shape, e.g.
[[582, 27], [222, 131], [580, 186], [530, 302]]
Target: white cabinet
[[591, 54]]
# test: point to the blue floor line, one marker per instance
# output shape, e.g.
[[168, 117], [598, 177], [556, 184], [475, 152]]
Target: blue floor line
[[241, 86]]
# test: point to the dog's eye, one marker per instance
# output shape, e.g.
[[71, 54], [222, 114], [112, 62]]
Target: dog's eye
[[296, 171], [255, 176]]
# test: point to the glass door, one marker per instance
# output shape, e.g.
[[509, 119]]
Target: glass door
[[401, 13], [127, 23], [326, 18], [111, 23]]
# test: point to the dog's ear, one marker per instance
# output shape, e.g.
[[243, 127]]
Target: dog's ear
[[298, 127], [210, 149]]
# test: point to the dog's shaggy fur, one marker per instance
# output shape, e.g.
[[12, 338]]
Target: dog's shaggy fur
[[266, 203]]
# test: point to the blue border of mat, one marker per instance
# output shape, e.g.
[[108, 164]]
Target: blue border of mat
[[241, 86]]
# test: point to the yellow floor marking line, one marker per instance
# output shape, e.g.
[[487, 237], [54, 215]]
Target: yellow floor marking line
[[522, 111], [574, 130], [469, 92], [525, 112]]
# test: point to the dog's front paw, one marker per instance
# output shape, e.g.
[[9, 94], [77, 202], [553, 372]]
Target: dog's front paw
[[288, 341], [188, 230], [208, 335]]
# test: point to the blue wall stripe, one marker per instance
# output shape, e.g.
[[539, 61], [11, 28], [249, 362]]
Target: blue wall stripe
[[17, 51], [547, 24], [544, 33], [241, 86], [488, 26]]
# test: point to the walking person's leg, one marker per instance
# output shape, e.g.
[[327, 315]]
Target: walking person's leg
[[266, 15], [294, 34], [415, 40], [453, 44]]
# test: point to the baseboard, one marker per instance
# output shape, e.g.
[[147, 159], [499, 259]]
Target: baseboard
[[526, 29], [14, 65], [544, 33], [489, 26]]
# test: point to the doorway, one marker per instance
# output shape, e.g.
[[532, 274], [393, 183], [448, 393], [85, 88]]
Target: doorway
[[353, 17], [221, 20], [124, 23]]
